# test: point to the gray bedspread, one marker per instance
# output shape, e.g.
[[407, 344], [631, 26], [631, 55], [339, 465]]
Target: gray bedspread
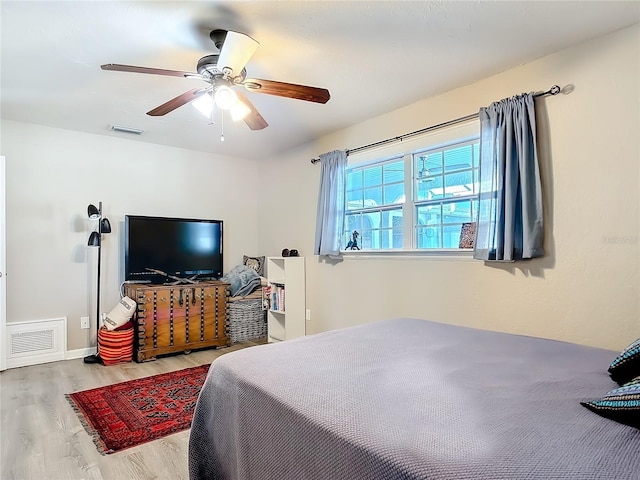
[[409, 399]]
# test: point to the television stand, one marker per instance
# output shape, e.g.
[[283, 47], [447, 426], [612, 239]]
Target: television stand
[[172, 319]]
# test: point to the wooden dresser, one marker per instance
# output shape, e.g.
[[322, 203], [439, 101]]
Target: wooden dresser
[[178, 318]]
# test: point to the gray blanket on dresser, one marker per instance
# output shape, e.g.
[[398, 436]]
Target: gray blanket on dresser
[[409, 399]]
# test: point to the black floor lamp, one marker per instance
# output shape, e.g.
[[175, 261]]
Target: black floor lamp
[[95, 240]]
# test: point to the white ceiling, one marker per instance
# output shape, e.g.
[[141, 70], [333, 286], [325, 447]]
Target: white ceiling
[[373, 56]]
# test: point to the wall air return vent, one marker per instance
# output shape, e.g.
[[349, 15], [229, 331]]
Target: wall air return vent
[[34, 342]]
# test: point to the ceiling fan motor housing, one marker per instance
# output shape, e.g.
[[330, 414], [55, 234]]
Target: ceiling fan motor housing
[[208, 68]]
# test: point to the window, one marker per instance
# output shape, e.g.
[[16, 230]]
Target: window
[[375, 196], [415, 201]]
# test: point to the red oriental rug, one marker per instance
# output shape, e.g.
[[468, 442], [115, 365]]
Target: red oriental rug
[[130, 413]]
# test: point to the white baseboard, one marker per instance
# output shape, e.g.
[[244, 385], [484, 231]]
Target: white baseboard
[[80, 353]]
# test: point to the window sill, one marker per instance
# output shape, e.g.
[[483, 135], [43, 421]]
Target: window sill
[[444, 254]]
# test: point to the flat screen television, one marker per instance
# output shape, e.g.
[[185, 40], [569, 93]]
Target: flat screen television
[[180, 247]]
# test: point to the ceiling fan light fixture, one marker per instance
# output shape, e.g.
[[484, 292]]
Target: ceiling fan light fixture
[[225, 69], [239, 110], [225, 98], [204, 104]]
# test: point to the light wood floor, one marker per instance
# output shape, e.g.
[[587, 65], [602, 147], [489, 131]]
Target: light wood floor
[[41, 437]]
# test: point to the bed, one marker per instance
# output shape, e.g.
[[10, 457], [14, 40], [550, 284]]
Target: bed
[[409, 399]]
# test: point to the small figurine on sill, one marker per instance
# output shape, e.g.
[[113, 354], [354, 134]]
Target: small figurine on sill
[[353, 243]]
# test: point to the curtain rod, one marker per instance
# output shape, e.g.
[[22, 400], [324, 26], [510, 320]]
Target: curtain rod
[[555, 90]]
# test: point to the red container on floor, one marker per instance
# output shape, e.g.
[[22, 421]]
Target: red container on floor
[[116, 346]]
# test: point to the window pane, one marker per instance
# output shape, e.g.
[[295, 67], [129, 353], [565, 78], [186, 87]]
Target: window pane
[[433, 162], [429, 215], [369, 231], [354, 199], [458, 158], [421, 190], [394, 172], [428, 237], [372, 176], [372, 219], [354, 179], [428, 164], [394, 193], [430, 188], [452, 236], [456, 212], [391, 233], [353, 222], [373, 197], [458, 184], [368, 239]]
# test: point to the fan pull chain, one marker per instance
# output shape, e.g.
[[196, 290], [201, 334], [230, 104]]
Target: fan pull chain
[[221, 125]]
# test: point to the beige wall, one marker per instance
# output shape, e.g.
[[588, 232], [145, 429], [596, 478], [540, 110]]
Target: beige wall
[[52, 175], [585, 290]]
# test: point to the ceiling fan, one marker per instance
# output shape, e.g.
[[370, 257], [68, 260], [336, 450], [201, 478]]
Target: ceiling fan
[[222, 72]]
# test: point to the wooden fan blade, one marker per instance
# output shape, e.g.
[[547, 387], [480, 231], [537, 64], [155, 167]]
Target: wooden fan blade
[[254, 120], [154, 71], [174, 103], [289, 90]]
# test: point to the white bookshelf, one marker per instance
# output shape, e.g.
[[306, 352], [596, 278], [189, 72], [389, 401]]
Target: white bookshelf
[[286, 320]]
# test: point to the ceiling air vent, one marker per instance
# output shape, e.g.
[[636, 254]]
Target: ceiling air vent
[[120, 128]]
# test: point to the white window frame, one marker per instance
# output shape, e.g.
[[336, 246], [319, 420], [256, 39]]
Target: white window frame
[[466, 132]]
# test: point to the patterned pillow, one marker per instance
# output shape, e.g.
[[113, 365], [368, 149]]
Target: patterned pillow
[[257, 263], [621, 404], [467, 235], [626, 365]]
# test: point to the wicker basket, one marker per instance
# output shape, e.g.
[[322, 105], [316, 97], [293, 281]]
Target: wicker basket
[[246, 320]]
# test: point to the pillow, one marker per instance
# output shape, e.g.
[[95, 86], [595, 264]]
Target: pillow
[[621, 404], [257, 263], [120, 314], [467, 235], [626, 365], [242, 280]]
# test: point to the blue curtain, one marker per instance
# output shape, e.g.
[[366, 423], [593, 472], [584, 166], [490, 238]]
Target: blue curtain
[[330, 216], [509, 224]]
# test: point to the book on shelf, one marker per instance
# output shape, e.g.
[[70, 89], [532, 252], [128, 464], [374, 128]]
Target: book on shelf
[[280, 295], [266, 297], [273, 297], [276, 298]]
